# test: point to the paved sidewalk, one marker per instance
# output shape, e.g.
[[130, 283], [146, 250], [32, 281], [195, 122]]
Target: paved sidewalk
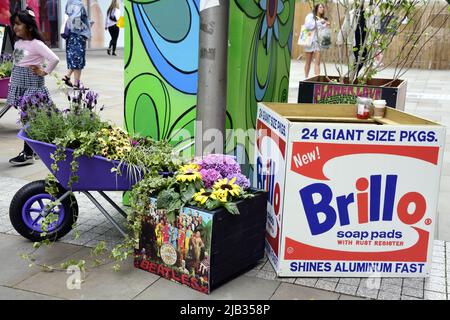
[[426, 97], [259, 283]]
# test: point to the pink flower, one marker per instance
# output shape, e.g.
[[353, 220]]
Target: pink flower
[[210, 176]]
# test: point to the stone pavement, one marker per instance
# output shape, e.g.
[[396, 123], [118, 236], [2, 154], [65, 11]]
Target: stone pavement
[[426, 97]]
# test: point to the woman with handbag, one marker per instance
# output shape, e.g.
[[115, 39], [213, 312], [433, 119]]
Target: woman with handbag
[[78, 29], [314, 21], [112, 17]]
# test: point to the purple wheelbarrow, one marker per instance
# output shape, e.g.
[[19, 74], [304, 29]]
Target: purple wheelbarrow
[[31, 204], [4, 83]]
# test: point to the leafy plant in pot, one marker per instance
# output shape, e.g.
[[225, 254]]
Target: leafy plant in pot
[[364, 32]]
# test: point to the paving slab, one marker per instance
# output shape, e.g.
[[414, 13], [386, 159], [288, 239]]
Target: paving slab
[[363, 291], [386, 295], [7, 293], [308, 282], [288, 291], [414, 282], [408, 298], [15, 269], [326, 285], [241, 288], [430, 295], [350, 281], [346, 289], [386, 287], [413, 292], [268, 275], [97, 283], [347, 297]]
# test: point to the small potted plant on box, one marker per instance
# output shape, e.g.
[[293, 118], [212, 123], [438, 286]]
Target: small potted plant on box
[[364, 32], [201, 226]]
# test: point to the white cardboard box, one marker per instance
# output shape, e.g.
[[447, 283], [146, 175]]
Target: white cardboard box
[[348, 197]]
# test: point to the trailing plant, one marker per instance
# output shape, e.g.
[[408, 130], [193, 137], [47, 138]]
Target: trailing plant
[[210, 182]]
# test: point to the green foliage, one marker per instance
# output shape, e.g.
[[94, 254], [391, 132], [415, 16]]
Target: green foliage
[[6, 65], [5, 69], [169, 199], [148, 157]]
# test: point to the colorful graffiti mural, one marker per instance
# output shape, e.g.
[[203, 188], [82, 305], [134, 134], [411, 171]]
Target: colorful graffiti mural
[[161, 62], [260, 67]]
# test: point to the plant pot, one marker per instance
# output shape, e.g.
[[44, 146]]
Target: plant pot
[[319, 90], [232, 244], [94, 174], [4, 83]]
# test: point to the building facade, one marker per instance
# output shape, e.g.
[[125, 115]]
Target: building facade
[[50, 17]]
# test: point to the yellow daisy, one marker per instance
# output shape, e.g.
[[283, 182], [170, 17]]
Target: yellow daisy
[[228, 187], [220, 195], [203, 196], [189, 176], [191, 167]]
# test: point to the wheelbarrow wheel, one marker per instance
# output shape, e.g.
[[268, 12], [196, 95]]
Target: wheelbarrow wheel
[[26, 208]]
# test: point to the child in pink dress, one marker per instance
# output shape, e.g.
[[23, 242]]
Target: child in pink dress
[[27, 78]]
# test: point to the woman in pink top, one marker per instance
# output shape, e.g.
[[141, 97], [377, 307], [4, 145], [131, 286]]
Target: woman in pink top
[[27, 78]]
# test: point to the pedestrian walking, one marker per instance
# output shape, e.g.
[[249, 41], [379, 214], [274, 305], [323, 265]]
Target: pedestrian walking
[[30, 53], [112, 16], [315, 21], [79, 29]]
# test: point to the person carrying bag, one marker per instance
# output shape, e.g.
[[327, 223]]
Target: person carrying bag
[[315, 23], [306, 37]]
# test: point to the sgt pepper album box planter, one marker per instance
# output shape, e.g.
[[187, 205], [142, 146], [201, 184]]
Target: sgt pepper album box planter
[[203, 249], [348, 197]]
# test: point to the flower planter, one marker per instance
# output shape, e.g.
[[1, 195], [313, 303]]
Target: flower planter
[[319, 90], [232, 244], [94, 174], [4, 83]]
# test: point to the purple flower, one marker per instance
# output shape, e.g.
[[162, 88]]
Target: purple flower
[[134, 143], [91, 96], [224, 164], [210, 176], [241, 180]]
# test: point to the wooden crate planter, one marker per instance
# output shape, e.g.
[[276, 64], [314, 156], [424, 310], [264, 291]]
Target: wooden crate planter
[[319, 90], [232, 244]]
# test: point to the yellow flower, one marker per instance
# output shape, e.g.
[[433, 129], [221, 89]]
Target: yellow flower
[[191, 167], [203, 196], [220, 195], [228, 187], [189, 176]]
